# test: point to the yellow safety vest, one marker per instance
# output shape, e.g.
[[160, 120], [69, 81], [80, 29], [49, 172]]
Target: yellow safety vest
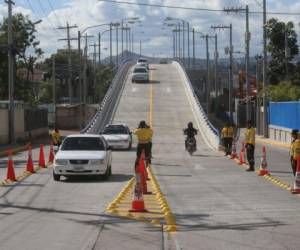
[[55, 137], [227, 132], [296, 149], [250, 136], [144, 135]]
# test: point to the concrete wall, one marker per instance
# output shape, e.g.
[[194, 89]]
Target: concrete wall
[[20, 132]]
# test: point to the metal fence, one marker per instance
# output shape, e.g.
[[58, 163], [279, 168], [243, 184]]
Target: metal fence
[[35, 118], [285, 114]]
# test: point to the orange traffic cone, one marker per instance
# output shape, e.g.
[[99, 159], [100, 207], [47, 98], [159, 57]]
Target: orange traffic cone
[[296, 188], [51, 154], [42, 157], [263, 164], [29, 166], [138, 204], [233, 151], [10, 167], [242, 154], [143, 171]]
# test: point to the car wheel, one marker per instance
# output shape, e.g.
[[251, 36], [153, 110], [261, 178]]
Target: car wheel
[[56, 177], [106, 175]]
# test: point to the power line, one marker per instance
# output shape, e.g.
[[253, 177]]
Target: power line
[[52, 8], [195, 9]]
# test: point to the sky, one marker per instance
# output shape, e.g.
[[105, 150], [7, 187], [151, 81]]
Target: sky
[[156, 39]]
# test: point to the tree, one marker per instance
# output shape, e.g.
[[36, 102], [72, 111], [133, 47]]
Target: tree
[[24, 39], [283, 47], [284, 91]]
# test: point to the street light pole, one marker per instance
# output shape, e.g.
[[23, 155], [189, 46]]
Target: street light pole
[[265, 65], [117, 47], [194, 48], [110, 43], [11, 82], [188, 41]]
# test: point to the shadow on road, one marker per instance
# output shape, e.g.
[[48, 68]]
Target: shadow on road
[[97, 179]]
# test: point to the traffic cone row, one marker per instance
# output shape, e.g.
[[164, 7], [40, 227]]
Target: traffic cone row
[[10, 175]]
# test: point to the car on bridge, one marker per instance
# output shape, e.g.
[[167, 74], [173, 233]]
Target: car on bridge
[[140, 74], [142, 62], [117, 136], [83, 154]]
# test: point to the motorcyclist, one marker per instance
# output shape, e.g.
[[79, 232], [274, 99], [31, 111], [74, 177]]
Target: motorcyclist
[[190, 132]]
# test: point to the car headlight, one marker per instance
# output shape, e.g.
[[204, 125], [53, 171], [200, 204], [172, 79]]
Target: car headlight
[[96, 162], [61, 162]]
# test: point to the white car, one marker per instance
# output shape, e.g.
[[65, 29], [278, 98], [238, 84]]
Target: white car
[[117, 136], [142, 62], [140, 74], [82, 154]]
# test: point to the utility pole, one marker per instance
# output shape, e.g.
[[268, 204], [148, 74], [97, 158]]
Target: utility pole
[[183, 43], [265, 79], [132, 42], [11, 80], [110, 44], [99, 48], [117, 47], [122, 28], [207, 75], [194, 51], [54, 89], [247, 49], [140, 48], [173, 33], [85, 69], [188, 41], [230, 89], [68, 39], [179, 43], [216, 66], [80, 81]]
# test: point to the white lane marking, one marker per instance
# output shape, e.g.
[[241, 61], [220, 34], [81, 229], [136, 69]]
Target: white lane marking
[[169, 90], [199, 167], [134, 89]]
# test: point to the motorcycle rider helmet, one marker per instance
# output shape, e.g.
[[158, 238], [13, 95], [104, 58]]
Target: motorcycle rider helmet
[[190, 125]]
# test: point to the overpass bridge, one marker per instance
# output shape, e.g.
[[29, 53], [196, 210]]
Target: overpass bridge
[[216, 204]]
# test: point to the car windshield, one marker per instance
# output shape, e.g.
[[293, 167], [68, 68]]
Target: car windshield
[[140, 70], [142, 61], [115, 130], [83, 143]]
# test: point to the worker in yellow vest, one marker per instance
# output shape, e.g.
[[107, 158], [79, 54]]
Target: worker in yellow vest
[[144, 135], [227, 136], [294, 136], [296, 152], [250, 145]]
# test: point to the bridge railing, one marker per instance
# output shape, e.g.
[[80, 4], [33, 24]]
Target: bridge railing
[[208, 131], [94, 124]]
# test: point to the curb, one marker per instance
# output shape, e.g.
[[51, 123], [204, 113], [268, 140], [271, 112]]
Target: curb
[[271, 142]]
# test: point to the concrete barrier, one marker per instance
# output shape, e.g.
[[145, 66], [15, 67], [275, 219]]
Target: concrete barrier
[[208, 132]]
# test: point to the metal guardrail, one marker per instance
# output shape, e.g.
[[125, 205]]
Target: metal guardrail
[[204, 118], [107, 107]]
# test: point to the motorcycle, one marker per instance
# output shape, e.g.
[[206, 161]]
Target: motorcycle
[[191, 145]]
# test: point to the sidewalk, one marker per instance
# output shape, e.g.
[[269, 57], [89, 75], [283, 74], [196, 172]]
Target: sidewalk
[[277, 158]]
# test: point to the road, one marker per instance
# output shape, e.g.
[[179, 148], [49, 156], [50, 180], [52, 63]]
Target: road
[[217, 205]]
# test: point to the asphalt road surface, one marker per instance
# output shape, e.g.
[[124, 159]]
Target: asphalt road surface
[[216, 203]]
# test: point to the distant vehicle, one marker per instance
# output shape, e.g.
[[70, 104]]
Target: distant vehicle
[[140, 74], [163, 61], [83, 154], [143, 62], [117, 136]]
